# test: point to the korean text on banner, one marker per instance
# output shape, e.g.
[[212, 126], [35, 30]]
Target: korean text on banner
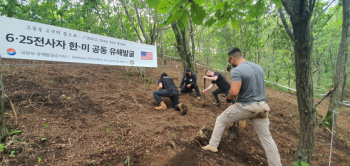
[[21, 39]]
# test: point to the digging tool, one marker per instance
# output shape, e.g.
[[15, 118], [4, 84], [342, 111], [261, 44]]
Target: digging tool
[[328, 93], [233, 132]]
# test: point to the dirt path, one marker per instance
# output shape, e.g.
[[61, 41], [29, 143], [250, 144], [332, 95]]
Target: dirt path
[[103, 115]]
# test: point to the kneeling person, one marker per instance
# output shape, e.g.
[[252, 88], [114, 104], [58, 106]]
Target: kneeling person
[[218, 79], [189, 82], [167, 88]]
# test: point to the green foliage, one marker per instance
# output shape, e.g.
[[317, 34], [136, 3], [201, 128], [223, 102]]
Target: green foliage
[[153, 3], [256, 10], [12, 153], [302, 163], [278, 3], [326, 123], [197, 13], [39, 159], [210, 21], [46, 124], [43, 139], [14, 132], [90, 162], [127, 161], [165, 7], [1, 147]]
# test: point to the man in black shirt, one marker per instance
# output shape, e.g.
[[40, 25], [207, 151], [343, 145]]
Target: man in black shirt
[[218, 79], [190, 80], [167, 88]]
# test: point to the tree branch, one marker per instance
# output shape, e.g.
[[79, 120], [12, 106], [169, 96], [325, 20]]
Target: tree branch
[[132, 22], [171, 41], [315, 20], [145, 35], [294, 19], [290, 34], [312, 6], [326, 22]]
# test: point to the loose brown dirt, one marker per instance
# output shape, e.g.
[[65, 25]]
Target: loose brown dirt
[[73, 114]]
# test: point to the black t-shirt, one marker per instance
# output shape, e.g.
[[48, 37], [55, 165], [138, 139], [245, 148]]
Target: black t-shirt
[[168, 84], [221, 82]]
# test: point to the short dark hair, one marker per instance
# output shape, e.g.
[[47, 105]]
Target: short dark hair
[[235, 52], [164, 75], [207, 71]]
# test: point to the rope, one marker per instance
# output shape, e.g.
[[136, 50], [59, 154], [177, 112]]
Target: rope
[[330, 155]]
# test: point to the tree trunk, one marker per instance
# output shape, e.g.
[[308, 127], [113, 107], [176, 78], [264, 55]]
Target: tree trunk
[[319, 77], [132, 22], [141, 71], [122, 25], [182, 46], [288, 79], [304, 87], [331, 56], [162, 46], [339, 77], [193, 47], [3, 129], [145, 35], [300, 12], [228, 38]]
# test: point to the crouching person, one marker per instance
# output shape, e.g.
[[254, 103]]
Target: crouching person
[[247, 82], [167, 88]]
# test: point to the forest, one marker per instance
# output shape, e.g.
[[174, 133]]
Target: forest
[[300, 44]]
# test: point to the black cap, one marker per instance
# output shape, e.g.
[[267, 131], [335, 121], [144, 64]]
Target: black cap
[[187, 70], [164, 75]]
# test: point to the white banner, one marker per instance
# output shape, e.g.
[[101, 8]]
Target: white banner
[[35, 41]]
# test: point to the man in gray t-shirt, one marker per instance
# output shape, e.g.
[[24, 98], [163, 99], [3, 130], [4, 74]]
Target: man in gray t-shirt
[[252, 77], [247, 83]]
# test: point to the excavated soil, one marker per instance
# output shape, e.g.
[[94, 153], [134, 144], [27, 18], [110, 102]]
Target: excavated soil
[[78, 114]]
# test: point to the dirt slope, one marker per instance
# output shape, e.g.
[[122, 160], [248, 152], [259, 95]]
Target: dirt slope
[[101, 115]]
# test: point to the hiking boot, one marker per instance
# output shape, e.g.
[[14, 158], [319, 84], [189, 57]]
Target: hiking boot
[[162, 106], [211, 148], [183, 109], [198, 97]]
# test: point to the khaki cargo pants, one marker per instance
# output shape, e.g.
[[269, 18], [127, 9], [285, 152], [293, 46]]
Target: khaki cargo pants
[[257, 113]]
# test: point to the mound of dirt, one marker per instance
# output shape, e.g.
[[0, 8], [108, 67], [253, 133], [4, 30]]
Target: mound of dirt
[[104, 115]]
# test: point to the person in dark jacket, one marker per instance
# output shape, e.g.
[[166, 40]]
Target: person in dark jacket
[[218, 79], [167, 88], [190, 82]]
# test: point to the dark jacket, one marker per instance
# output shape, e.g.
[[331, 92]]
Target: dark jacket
[[168, 84], [192, 79]]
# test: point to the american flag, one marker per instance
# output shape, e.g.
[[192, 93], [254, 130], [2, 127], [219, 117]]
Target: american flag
[[146, 55]]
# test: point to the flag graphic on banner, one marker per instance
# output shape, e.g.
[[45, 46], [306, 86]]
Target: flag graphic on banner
[[146, 55]]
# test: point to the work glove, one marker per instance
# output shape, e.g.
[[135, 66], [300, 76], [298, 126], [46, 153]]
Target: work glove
[[205, 77], [233, 101], [228, 68], [204, 91]]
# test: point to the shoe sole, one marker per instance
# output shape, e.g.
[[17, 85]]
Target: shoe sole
[[160, 109], [183, 109]]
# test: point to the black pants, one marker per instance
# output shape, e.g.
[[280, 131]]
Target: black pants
[[173, 95], [184, 89], [218, 91]]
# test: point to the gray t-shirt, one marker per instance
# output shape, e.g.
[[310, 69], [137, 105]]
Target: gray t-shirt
[[253, 86]]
